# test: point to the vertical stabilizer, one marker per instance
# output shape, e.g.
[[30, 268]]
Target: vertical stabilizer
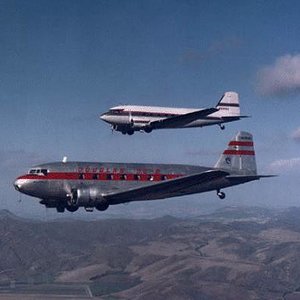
[[239, 155], [229, 105]]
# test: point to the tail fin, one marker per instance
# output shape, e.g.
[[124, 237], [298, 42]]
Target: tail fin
[[229, 105], [239, 155]]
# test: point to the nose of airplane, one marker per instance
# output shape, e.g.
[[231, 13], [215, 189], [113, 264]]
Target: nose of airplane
[[18, 184], [104, 117]]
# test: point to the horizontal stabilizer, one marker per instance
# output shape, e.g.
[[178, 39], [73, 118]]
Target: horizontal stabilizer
[[234, 118], [157, 190], [246, 178], [181, 120]]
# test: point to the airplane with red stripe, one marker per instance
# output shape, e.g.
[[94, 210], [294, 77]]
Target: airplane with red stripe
[[70, 185], [130, 118]]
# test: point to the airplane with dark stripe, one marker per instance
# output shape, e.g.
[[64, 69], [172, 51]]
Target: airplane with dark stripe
[[130, 118], [70, 185]]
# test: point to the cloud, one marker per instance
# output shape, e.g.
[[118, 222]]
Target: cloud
[[285, 165], [296, 135], [194, 56], [282, 78]]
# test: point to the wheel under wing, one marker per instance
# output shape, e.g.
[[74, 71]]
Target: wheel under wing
[[181, 120], [164, 189]]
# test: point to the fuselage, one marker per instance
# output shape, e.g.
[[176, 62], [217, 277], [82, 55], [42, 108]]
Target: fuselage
[[107, 177], [54, 182], [70, 185], [128, 118]]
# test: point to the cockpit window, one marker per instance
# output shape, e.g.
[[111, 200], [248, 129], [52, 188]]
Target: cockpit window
[[115, 111], [44, 171], [38, 171]]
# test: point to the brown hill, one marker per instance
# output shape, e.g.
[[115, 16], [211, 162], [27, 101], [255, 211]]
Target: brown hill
[[234, 252]]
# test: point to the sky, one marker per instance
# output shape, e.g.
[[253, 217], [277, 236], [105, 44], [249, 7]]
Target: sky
[[63, 63]]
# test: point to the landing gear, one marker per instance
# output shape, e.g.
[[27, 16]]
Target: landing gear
[[113, 128], [60, 208], [89, 209], [102, 206], [222, 126], [129, 132], [72, 208], [221, 195], [148, 129]]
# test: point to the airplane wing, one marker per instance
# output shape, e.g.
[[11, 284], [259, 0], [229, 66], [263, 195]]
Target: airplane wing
[[157, 190], [181, 119]]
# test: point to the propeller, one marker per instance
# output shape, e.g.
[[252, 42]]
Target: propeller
[[46, 213], [130, 118], [69, 193], [20, 198]]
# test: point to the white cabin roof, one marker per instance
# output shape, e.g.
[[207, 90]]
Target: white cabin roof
[[155, 109]]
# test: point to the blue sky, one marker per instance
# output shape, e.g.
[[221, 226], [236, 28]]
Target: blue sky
[[62, 63]]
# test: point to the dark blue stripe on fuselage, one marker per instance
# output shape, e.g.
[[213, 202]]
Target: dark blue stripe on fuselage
[[229, 104]]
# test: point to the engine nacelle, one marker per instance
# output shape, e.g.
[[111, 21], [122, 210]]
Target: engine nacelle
[[87, 197]]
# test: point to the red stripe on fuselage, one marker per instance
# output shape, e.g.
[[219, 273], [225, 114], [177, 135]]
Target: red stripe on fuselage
[[238, 152], [101, 176], [241, 143]]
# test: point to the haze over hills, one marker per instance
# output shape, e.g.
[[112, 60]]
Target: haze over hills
[[235, 251]]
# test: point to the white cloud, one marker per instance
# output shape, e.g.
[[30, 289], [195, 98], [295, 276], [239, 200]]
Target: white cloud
[[296, 135], [281, 78], [196, 56], [285, 165]]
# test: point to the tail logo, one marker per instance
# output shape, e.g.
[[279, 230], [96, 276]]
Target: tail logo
[[228, 160]]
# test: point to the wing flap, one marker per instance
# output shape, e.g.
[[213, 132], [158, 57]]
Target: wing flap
[[182, 119], [158, 190]]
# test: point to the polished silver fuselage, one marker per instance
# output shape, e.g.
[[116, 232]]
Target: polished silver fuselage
[[106, 178]]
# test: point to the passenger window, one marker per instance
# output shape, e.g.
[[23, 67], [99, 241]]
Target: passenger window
[[109, 177], [44, 171], [95, 176], [136, 177], [123, 177], [81, 176], [150, 177]]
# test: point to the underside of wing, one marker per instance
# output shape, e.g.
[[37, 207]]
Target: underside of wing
[[182, 119], [162, 189]]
